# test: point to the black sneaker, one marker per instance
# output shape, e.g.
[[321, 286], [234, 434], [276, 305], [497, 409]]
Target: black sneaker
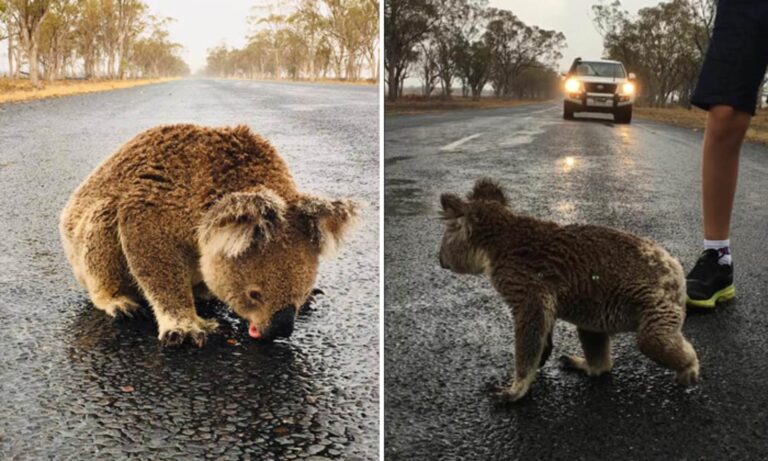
[[709, 281]]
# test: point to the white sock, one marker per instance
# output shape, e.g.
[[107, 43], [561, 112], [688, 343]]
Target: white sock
[[723, 248]]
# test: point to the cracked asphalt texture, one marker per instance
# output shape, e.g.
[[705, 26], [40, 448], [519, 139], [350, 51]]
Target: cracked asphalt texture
[[75, 385], [448, 336]]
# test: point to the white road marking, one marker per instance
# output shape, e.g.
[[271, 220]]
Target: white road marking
[[461, 141]]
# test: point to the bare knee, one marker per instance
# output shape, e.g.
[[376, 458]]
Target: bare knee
[[726, 125]]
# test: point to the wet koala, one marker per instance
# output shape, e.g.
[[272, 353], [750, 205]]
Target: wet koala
[[602, 280], [183, 211]]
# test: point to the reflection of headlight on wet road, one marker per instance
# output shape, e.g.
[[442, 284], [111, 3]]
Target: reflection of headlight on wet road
[[572, 85], [568, 163], [628, 88]]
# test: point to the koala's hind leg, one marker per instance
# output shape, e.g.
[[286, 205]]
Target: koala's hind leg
[[104, 271], [661, 339], [597, 353], [162, 270]]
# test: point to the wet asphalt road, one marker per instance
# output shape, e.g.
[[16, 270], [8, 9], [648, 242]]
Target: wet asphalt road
[[64, 366], [449, 336]]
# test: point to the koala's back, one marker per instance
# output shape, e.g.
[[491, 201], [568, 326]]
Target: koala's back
[[612, 275], [188, 161], [178, 171]]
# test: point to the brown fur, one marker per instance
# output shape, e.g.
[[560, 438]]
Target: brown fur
[[602, 280], [215, 209]]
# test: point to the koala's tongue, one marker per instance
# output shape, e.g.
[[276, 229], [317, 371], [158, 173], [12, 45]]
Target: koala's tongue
[[254, 332]]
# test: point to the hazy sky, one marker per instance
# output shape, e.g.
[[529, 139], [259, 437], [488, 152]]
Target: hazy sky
[[202, 24]]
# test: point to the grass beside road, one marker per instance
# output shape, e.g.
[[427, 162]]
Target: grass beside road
[[421, 104], [21, 90], [696, 119]]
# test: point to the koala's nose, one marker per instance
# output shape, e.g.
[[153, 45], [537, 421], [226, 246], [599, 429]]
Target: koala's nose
[[282, 322]]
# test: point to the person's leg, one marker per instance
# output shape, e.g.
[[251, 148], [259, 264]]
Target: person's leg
[[728, 84], [723, 136]]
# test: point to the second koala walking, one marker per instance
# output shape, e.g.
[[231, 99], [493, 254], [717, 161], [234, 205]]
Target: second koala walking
[[600, 279]]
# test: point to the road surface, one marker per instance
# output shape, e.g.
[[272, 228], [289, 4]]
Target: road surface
[[449, 336], [74, 385]]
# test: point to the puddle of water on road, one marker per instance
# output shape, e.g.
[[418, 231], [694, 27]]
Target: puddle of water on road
[[393, 160], [403, 199]]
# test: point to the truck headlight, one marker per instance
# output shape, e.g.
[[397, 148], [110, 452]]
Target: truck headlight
[[628, 88], [572, 85]]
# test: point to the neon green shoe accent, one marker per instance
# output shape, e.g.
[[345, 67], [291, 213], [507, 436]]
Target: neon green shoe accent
[[725, 294]]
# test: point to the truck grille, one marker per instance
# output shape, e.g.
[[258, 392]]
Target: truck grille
[[591, 87]]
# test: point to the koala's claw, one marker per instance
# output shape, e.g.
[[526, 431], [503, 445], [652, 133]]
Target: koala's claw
[[507, 395], [689, 376], [175, 338], [197, 332], [172, 338]]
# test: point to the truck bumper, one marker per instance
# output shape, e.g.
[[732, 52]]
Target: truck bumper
[[598, 102]]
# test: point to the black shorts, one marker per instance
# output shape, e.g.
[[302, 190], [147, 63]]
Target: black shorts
[[736, 60]]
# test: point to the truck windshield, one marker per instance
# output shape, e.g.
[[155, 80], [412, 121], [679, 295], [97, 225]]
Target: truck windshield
[[599, 69]]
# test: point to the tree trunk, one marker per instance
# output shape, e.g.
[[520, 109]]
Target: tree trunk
[[33, 77], [10, 52], [393, 80]]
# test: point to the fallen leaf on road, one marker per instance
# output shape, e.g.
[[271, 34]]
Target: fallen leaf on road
[[281, 430], [232, 342], [127, 388]]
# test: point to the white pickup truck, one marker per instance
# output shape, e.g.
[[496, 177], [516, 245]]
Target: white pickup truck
[[599, 85]]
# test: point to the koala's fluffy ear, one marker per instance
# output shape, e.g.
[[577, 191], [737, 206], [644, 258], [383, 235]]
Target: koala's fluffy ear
[[453, 206], [488, 190], [327, 221], [240, 219]]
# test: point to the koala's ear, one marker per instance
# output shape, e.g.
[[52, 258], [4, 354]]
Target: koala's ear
[[453, 206], [240, 219], [488, 190], [327, 221]]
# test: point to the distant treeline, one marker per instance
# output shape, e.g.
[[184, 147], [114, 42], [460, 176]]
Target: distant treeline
[[87, 38], [307, 39], [664, 45], [464, 42]]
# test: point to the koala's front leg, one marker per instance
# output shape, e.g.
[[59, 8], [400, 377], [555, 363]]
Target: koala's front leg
[[162, 270], [534, 317]]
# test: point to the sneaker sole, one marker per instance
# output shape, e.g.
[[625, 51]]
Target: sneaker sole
[[725, 294]]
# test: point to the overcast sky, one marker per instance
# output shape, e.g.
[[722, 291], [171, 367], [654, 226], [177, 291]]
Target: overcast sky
[[203, 24]]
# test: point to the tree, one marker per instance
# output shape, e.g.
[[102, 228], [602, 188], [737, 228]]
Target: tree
[[516, 47], [473, 63], [28, 16], [406, 23], [664, 45], [308, 19], [307, 39]]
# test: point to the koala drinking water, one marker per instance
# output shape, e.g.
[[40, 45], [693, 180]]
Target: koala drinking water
[[182, 211], [602, 280]]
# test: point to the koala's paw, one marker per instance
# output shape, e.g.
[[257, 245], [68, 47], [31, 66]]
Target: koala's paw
[[512, 393], [174, 333], [576, 363], [121, 307], [688, 376]]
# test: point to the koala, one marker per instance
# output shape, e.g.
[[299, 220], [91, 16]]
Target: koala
[[182, 211], [602, 280]]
